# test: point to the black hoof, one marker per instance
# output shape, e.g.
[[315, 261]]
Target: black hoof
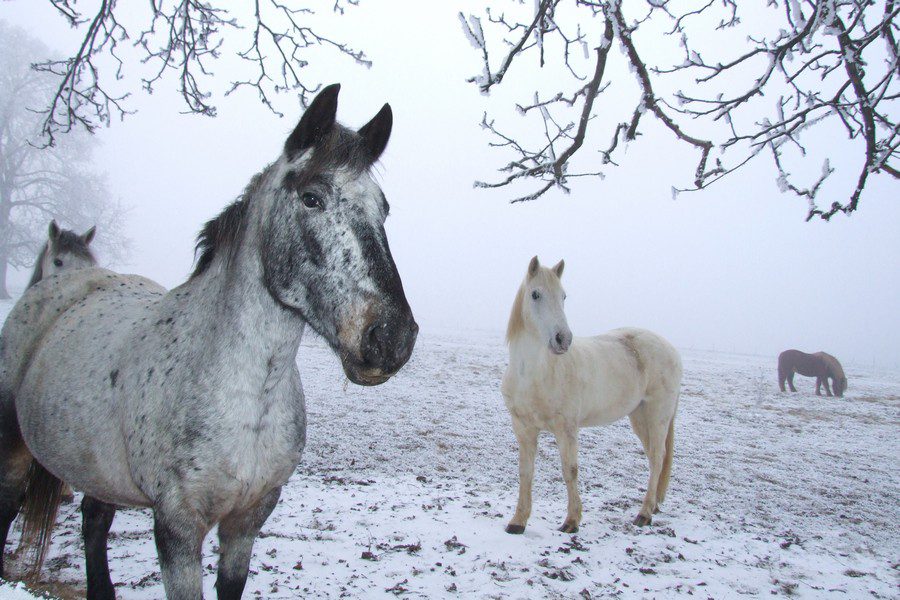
[[569, 527], [642, 521], [515, 529]]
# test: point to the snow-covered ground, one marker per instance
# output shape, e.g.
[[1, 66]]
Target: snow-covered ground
[[405, 490]]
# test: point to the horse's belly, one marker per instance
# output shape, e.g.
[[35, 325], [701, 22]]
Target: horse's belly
[[85, 453], [606, 415]]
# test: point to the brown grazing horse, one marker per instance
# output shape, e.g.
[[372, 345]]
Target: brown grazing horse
[[819, 365]]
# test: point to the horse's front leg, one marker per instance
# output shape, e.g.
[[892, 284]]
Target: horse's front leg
[[96, 519], [819, 386], [827, 387], [527, 437], [237, 532], [567, 440], [790, 379], [179, 541]]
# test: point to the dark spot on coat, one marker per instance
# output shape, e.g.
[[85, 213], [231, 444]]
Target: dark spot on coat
[[113, 376]]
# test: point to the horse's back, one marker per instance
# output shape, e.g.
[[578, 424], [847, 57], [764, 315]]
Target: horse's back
[[654, 356], [51, 300], [809, 365], [629, 366]]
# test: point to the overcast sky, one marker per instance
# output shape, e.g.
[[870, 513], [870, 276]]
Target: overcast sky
[[733, 268]]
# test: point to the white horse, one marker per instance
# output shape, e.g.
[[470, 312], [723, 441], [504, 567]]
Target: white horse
[[558, 383]]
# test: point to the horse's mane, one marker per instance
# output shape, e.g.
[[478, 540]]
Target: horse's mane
[[834, 366], [225, 230], [516, 322], [38, 273]]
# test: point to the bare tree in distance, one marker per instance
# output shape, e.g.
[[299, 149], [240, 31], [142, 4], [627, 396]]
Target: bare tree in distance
[[813, 64], [181, 39], [39, 184]]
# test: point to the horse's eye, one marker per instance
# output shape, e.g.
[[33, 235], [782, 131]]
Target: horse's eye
[[57, 262], [311, 200], [535, 295]]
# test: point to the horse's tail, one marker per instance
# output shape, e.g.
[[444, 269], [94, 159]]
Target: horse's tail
[[39, 508], [663, 484]]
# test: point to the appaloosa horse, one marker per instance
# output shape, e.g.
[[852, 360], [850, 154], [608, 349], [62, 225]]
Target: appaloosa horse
[[189, 401], [820, 365]]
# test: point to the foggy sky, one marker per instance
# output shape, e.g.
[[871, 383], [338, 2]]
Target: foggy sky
[[732, 268]]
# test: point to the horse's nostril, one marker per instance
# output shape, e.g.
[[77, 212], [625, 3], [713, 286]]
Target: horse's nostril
[[374, 342], [559, 339]]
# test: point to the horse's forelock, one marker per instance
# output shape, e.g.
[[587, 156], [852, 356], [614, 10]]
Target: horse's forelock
[[342, 148]]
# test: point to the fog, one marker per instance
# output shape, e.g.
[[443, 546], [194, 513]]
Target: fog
[[732, 268]]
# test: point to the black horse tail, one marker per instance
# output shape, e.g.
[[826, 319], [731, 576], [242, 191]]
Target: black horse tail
[[39, 508]]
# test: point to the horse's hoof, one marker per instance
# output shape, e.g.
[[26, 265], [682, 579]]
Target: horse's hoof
[[515, 529], [656, 511], [569, 527], [642, 521]]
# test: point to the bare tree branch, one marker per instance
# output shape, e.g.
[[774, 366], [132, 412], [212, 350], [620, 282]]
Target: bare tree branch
[[827, 62], [180, 39]]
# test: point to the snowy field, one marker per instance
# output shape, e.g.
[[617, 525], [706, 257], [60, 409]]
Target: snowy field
[[405, 489]]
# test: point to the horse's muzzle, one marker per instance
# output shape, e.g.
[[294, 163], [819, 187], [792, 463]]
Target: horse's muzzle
[[560, 342], [385, 347]]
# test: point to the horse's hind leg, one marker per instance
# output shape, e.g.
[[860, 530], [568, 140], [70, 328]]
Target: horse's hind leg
[[236, 536], [652, 430], [567, 440], [790, 379], [527, 437], [15, 461], [96, 519]]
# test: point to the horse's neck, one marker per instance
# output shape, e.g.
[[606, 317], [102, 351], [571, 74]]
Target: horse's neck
[[528, 353], [236, 304]]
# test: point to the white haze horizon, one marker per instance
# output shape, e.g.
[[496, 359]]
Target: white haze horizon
[[733, 268]]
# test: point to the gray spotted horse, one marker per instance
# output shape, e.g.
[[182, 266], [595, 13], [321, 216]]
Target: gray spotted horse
[[189, 401]]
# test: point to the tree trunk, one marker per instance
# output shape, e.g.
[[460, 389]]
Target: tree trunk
[[4, 295]]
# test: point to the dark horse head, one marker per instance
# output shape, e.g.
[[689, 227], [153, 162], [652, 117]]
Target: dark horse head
[[322, 243]]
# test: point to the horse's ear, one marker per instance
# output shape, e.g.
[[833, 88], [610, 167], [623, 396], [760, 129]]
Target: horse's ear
[[54, 230], [377, 132], [558, 269], [533, 266], [88, 235], [315, 123]]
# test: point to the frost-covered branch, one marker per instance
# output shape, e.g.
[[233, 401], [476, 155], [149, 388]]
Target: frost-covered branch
[[811, 65], [180, 39]]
